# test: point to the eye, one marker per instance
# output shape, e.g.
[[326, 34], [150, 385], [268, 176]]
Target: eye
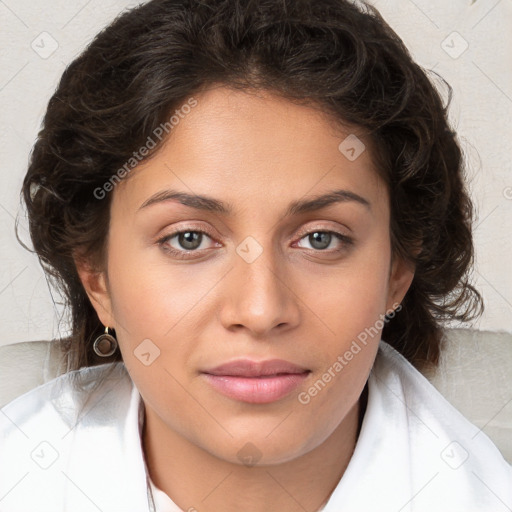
[[183, 243], [186, 241], [321, 240]]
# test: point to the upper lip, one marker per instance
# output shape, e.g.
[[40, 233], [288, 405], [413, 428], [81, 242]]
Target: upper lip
[[248, 368]]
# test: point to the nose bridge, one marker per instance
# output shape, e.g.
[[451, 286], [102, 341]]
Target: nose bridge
[[258, 296]]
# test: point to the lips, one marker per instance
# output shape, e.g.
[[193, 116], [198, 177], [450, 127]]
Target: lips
[[248, 368], [256, 381]]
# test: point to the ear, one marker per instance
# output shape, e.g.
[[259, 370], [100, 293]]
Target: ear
[[400, 279], [95, 283]]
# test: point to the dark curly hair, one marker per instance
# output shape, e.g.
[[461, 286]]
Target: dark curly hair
[[340, 57]]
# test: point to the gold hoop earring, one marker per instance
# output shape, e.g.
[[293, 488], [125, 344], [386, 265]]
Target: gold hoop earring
[[105, 344]]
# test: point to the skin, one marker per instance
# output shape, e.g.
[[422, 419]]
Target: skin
[[297, 301]]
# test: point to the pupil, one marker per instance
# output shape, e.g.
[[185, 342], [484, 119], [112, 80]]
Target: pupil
[[189, 240], [316, 238]]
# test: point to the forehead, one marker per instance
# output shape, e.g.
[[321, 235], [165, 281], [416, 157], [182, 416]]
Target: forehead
[[254, 145]]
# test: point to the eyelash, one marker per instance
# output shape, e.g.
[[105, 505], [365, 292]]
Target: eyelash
[[182, 254]]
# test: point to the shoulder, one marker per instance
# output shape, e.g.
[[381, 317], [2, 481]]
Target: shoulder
[[52, 436], [416, 452], [63, 399], [446, 450], [406, 388]]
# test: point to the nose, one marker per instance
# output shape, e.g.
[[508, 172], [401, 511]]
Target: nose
[[259, 296]]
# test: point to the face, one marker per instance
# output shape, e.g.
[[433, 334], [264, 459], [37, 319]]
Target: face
[[255, 271]]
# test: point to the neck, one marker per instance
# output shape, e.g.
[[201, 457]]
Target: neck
[[197, 480]]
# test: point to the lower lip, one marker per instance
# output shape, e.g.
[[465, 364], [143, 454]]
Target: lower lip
[[256, 390]]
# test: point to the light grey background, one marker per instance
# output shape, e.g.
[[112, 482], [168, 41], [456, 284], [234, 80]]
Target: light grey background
[[468, 42]]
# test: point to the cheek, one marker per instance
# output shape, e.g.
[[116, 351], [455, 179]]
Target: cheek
[[150, 296], [159, 308], [352, 310], [354, 296]]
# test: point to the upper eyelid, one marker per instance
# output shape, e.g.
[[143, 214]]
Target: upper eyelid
[[194, 228], [312, 229]]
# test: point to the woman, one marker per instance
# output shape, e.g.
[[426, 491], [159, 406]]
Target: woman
[[256, 212]]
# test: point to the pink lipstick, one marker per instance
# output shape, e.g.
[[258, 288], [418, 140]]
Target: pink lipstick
[[256, 382]]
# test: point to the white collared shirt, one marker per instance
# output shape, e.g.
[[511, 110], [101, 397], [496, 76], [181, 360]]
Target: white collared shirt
[[62, 449]]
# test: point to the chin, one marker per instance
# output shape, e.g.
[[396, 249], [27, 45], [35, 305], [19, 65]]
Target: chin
[[261, 449]]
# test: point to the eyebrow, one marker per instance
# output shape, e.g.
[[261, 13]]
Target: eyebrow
[[209, 204]]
